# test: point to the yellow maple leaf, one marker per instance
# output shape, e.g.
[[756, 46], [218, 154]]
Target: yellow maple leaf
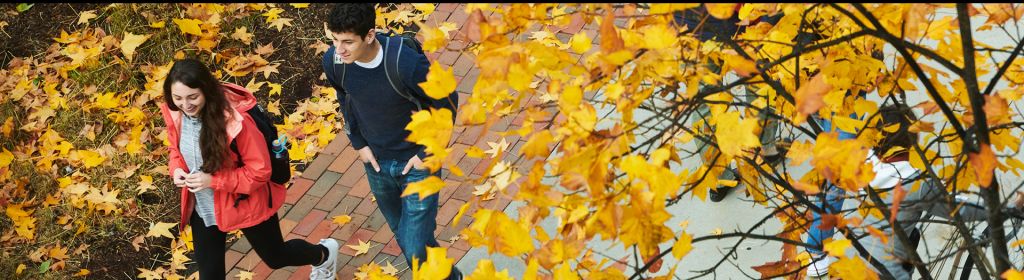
[[425, 188], [82, 272], [721, 11], [434, 39], [742, 66], [298, 149], [458, 216], [682, 246], [241, 35], [6, 157], [42, 113], [130, 42], [58, 253], [85, 16], [440, 83], [799, 152], [273, 14], [8, 126], [274, 89], [1012, 274], [21, 267], [837, 248], [299, 5], [497, 148], [189, 26], [734, 135], [390, 269], [362, 248], [108, 100], [281, 22], [145, 184], [148, 274], [90, 159], [853, 268], [485, 270], [475, 152], [580, 43], [159, 24], [267, 69], [245, 275], [273, 107], [161, 229], [537, 145], [341, 220], [436, 267]]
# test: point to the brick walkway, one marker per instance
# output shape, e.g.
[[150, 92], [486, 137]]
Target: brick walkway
[[334, 184]]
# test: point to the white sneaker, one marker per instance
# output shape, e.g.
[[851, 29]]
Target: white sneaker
[[328, 269], [819, 267]]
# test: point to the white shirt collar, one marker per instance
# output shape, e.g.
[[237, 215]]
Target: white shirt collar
[[376, 60]]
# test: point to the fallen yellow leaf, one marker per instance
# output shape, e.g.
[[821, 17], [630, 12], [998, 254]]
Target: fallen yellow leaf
[[82, 272], [341, 220], [281, 22], [161, 229], [130, 42], [362, 248], [245, 275], [85, 16], [189, 26]]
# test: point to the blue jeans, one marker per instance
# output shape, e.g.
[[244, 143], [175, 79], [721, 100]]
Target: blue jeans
[[834, 195], [412, 220]]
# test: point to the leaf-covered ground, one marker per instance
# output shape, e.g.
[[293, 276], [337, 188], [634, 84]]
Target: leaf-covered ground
[[81, 157]]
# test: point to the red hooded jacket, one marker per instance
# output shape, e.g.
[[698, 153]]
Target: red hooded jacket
[[242, 197]]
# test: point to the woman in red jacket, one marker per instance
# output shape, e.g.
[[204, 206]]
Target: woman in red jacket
[[218, 194]]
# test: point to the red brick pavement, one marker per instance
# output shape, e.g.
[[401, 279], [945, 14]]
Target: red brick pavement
[[309, 211]]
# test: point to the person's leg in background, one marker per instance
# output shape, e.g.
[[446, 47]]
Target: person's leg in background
[[833, 197], [702, 114]]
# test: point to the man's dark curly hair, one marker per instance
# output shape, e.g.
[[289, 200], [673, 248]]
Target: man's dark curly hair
[[357, 18]]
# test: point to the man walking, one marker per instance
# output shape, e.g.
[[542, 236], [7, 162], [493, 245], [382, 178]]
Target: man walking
[[377, 80]]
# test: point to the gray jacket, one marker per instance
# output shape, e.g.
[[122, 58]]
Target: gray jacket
[[928, 197]]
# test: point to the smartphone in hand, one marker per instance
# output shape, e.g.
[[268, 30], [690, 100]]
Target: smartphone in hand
[[194, 171]]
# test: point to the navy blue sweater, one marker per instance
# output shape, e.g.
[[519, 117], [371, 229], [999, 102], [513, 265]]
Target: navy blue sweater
[[378, 114]]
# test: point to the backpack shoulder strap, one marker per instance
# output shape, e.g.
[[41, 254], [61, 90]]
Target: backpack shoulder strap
[[392, 54]]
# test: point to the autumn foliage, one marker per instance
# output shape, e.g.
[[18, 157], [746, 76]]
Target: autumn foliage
[[617, 173], [608, 122]]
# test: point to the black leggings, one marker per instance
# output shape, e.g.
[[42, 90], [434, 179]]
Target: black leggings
[[264, 237]]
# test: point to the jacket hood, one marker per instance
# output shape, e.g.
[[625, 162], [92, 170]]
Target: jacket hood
[[239, 97]]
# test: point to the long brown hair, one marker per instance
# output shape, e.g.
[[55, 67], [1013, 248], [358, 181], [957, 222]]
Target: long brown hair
[[892, 115], [213, 140]]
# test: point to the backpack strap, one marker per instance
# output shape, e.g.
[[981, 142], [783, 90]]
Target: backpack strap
[[392, 54]]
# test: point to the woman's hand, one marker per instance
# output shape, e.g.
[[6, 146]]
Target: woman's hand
[[198, 181], [178, 177]]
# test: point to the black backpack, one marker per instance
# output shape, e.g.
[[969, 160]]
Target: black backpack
[[392, 54], [281, 169]]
